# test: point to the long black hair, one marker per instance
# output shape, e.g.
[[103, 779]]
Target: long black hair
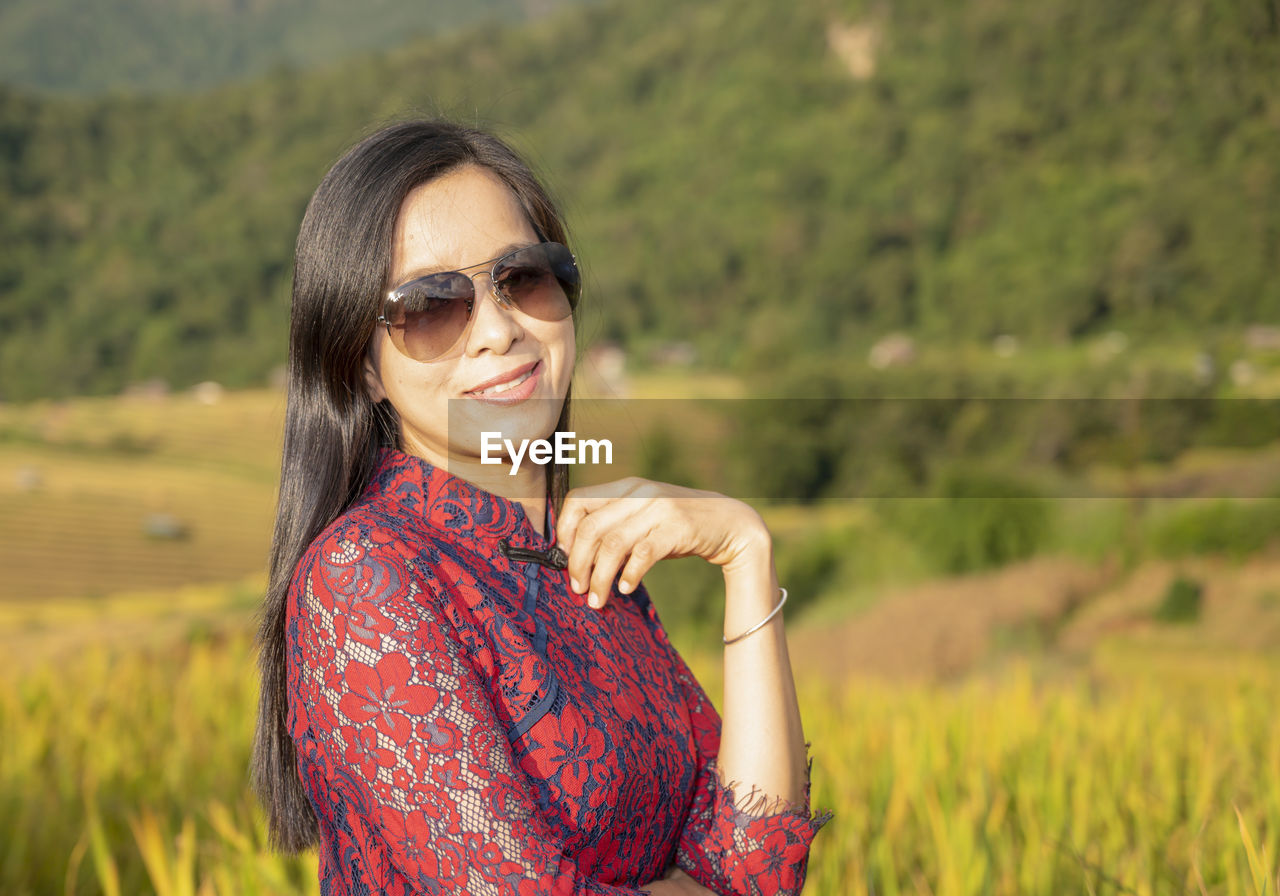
[[333, 429]]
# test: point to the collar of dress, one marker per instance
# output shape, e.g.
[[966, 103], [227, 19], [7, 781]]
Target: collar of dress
[[444, 501]]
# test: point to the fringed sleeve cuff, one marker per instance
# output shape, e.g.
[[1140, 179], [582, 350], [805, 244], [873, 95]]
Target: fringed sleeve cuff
[[747, 844]]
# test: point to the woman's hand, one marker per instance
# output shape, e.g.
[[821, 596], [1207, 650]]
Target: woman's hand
[[638, 522], [676, 883]]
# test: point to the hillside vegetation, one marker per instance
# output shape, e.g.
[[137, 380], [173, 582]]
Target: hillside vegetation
[[772, 182], [176, 45]]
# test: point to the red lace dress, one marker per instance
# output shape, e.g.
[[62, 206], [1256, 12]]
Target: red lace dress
[[465, 723]]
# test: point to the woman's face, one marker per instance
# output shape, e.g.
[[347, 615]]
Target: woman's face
[[461, 222]]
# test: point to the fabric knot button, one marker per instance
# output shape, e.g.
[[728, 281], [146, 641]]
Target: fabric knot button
[[554, 556]]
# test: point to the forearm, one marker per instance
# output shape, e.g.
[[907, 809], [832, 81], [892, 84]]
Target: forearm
[[762, 745], [761, 741], [676, 883]]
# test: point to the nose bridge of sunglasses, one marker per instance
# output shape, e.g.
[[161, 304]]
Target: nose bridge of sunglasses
[[494, 290]]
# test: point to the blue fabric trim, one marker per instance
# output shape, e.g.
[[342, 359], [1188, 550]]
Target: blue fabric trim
[[537, 711], [533, 590]]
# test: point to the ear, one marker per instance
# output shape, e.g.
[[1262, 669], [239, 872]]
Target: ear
[[372, 380]]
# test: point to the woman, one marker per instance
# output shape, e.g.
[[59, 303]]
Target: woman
[[465, 687]]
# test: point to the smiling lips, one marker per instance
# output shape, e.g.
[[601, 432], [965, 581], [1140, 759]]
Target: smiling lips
[[517, 385]]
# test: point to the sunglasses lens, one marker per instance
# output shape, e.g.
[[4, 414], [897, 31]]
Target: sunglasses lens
[[428, 315], [542, 280]]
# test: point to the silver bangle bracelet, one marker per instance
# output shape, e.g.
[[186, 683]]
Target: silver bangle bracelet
[[763, 622]]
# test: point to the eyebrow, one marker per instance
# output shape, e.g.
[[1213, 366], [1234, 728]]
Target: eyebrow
[[419, 272]]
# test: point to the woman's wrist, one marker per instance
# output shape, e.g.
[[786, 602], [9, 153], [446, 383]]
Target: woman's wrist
[[751, 588], [753, 549]]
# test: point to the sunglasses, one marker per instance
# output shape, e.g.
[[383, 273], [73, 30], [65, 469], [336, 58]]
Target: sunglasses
[[426, 317]]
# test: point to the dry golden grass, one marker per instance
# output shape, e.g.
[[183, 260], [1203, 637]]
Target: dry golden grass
[[1146, 771], [942, 629], [1053, 607]]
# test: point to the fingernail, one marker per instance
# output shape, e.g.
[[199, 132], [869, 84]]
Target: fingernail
[[575, 585], [624, 587], [594, 600]]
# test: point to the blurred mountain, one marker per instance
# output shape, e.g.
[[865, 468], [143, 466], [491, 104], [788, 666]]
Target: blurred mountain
[[166, 46], [768, 182]]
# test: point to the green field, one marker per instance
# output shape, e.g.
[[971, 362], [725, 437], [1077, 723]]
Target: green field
[[1030, 729], [79, 482]]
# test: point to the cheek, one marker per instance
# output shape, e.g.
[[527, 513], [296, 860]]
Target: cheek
[[408, 384], [563, 350]]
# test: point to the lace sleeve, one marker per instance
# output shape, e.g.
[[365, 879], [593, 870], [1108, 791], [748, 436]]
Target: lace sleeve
[[748, 845], [409, 770]]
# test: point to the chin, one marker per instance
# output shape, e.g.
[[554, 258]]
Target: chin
[[534, 418]]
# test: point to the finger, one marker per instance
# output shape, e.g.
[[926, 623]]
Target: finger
[[605, 539], [609, 557], [615, 548], [580, 502], [575, 508], [586, 540], [644, 554], [599, 560]]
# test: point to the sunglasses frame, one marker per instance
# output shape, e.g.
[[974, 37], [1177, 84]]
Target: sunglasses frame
[[495, 289]]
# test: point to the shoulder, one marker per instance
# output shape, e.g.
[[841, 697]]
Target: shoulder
[[367, 554]]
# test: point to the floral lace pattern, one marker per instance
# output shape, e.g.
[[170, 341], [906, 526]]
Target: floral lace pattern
[[465, 723]]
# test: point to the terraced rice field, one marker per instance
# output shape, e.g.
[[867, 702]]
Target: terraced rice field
[[1116, 759]]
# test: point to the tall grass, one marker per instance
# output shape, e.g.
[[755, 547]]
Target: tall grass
[[1148, 775], [124, 771]]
